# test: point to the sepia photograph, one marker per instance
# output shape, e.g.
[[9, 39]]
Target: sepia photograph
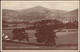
[[40, 25]]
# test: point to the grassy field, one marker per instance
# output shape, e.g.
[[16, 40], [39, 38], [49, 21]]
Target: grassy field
[[65, 41]]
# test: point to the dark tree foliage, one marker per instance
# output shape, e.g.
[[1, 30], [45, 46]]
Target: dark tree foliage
[[45, 34], [72, 25], [15, 25], [3, 25], [75, 23], [3, 21], [58, 24], [20, 34]]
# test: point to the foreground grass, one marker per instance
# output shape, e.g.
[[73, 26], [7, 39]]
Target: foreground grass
[[65, 41]]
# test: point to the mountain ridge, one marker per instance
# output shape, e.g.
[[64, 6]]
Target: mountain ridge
[[37, 13]]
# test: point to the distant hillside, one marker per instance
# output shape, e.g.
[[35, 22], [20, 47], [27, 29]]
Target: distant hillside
[[72, 15], [40, 9], [38, 13], [9, 14]]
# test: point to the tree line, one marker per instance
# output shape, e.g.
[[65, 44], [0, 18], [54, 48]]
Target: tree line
[[58, 24]]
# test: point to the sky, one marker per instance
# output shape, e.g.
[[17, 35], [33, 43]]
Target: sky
[[60, 5]]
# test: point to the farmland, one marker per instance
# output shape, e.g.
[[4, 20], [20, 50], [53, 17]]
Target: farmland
[[65, 41]]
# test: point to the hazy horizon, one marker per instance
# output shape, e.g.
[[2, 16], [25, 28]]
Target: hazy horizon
[[59, 5]]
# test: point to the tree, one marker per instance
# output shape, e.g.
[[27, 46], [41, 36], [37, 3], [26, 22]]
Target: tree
[[72, 24], [20, 34], [58, 24], [45, 34], [75, 23]]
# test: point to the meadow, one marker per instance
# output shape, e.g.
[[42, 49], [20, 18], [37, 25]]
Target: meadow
[[65, 41]]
